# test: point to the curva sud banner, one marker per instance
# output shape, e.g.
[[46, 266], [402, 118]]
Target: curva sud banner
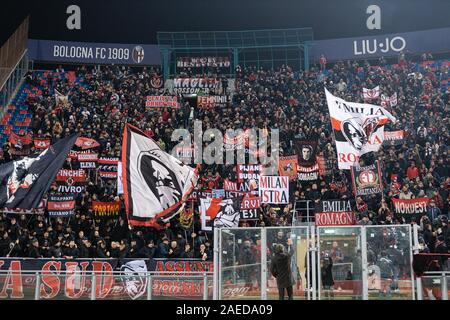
[[89, 52], [334, 213], [388, 45], [115, 279]]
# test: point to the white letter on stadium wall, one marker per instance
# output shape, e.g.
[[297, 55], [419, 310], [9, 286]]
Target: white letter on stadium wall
[[74, 20], [374, 20]]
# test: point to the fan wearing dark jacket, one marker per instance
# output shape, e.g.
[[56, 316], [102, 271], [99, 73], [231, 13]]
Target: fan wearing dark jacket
[[280, 268]]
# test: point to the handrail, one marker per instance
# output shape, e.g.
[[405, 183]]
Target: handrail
[[435, 273], [14, 68], [168, 273]]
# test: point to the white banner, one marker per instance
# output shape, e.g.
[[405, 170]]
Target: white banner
[[358, 128], [274, 189], [371, 93], [387, 101]]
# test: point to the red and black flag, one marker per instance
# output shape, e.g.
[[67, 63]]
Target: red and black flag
[[86, 143], [20, 145], [24, 182], [358, 128], [41, 143]]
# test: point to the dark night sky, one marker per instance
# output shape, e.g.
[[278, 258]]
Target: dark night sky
[[136, 21]]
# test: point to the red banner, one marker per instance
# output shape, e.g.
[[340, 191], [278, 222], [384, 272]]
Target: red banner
[[334, 213], [41, 143], [20, 145], [108, 161], [410, 206], [75, 175], [161, 102], [82, 157], [288, 166], [394, 135], [86, 143], [15, 139], [335, 219]]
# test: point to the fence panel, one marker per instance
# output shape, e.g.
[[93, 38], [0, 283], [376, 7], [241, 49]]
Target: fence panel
[[240, 263], [389, 262], [340, 267], [300, 262]]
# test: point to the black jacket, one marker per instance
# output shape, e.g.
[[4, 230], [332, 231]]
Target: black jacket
[[147, 252], [175, 254], [326, 270], [280, 268], [34, 252], [84, 251], [71, 252], [163, 250]]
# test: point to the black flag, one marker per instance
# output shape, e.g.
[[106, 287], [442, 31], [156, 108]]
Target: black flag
[[24, 182]]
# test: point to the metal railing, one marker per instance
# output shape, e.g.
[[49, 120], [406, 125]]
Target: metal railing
[[11, 83], [436, 277]]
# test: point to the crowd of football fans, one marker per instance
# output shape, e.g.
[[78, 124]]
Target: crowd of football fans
[[293, 102]]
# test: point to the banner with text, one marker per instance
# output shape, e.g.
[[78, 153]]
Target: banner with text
[[106, 209], [387, 45], [60, 205], [200, 62], [367, 180], [107, 167], [161, 102], [95, 53], [209, 102], [410, 207], [274, 189], [195, 85], [334, 213]]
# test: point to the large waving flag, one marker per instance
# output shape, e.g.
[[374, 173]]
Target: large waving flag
[[358, 128], [24, 182], [156, 184]]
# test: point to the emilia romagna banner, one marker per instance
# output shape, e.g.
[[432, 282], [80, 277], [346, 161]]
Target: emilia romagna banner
[[115, 279], [367, 180], [334, 213]]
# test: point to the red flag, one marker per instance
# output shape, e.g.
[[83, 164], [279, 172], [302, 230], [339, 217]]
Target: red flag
[[41, 143], [86, 143], [15, 139]]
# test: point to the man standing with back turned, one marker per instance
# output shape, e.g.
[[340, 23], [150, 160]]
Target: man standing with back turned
[[280, 268]]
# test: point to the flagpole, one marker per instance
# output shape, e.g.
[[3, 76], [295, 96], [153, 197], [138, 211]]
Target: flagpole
[[193, 226]]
